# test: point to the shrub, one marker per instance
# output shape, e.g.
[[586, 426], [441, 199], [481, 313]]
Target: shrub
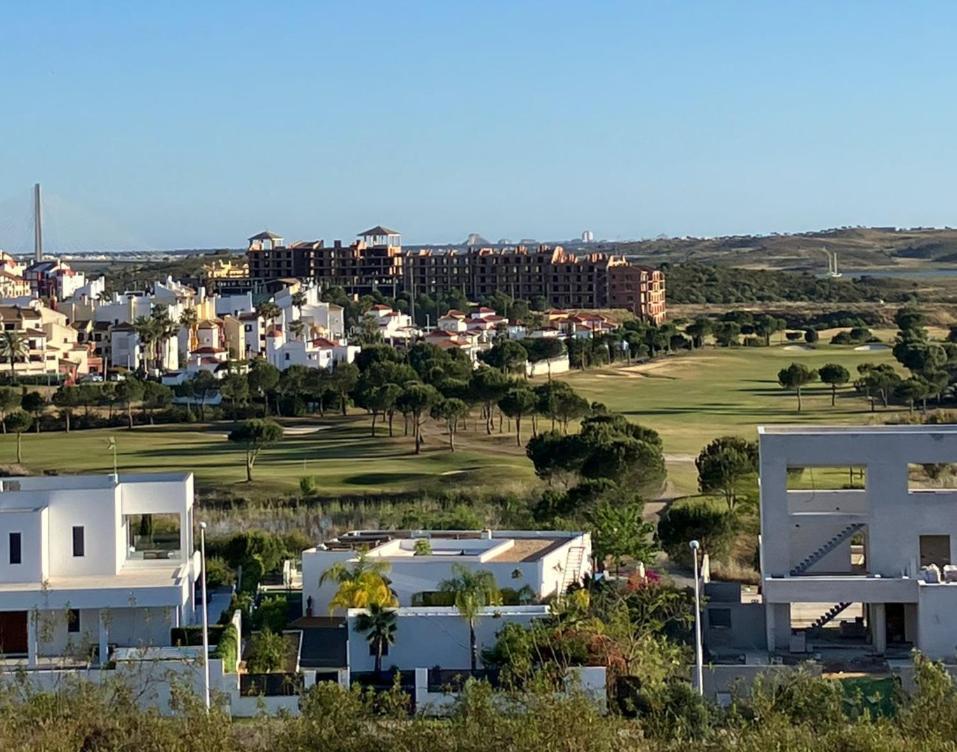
[[218, 573], [272, 614], [228, 648]]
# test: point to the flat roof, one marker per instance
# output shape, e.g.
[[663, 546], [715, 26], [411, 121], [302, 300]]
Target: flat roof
[[12, 484], [786, 428]]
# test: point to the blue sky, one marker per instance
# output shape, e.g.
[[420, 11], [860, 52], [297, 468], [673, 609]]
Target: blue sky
[[184, 124]]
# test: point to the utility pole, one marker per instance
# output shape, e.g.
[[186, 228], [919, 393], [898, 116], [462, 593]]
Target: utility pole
[[37, 224]]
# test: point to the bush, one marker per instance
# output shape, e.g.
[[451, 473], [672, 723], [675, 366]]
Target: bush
[[683, 523], [272, 614], [218, 573]]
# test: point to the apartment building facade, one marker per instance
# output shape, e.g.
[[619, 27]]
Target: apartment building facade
[[377, 262], [89, 563]]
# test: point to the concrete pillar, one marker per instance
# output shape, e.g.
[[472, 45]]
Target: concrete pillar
[[878, 618], [104, 635], [32, 646]]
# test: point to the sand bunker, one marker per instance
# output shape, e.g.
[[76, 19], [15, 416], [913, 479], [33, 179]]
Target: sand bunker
[[872, 347]]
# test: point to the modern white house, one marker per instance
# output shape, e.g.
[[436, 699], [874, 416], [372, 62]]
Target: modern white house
[[859, 529], [89, 563], [545, 562]]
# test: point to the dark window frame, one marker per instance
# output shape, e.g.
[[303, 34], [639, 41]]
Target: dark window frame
[[79, 542], [15, 540]]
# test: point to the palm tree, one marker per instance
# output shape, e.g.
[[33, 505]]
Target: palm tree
[[164, 329], [473, 590], [360, 586], [379, 626], [299, 299], [146, 331], [268, 311], [13, 346], [297, 327], [188, 319]]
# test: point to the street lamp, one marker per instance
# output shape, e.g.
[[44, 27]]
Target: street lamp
[[698, 652], [202, 549]]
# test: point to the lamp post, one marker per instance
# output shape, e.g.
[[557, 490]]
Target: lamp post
[[202, 549], [698, 651]]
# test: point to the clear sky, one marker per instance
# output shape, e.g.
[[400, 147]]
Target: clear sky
[[196, 124]]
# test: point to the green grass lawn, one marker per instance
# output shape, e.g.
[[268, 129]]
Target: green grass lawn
[[690, 399], [341, 456], [693, 398]]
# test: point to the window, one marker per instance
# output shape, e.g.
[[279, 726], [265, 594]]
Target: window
[[78, 548], [16, 551], [73, 620]]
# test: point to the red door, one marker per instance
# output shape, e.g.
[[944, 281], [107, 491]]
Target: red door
[[13, 632]]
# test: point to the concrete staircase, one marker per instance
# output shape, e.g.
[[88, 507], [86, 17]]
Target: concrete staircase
[[827, 617], [813, 558]]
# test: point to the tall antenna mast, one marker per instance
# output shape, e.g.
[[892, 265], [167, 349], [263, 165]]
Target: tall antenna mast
[[37, 224]]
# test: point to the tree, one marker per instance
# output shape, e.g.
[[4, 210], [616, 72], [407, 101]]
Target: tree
[[269, 311], [699, 329], [13, 347], [794, 377], [66, 398], [451, 410], [362, 585], [415, 400], [488, 385], [9, 400], [263, 378], [911, 390], [378, 624], [188, 319], [345, 376], [811, 336], [508, 356], [235, 390], [19, 422], [724, 464], [516, 404], [129, 391], [156, 396], [836, 375], [472, 590], [619, 530], [765, 326], [254, 436], [878, 380], [684, 522], [267, 652], [726, 333], [34, 403]]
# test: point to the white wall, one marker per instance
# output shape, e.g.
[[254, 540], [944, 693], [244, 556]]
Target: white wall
[[436, 637]]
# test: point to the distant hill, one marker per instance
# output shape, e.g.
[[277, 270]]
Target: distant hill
[[475, 239], [874, 248]]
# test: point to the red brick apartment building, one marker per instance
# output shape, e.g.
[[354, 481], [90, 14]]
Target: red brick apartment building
[[376, 261]]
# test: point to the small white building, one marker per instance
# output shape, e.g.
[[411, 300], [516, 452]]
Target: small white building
[[859, 529], [88, 563], [546, 562]]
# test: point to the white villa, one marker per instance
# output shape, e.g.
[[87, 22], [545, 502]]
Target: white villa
[[547, 562], [92, 563]]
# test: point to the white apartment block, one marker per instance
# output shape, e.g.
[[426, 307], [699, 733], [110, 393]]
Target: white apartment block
[[91, 563], [865, 537], [547, 562]]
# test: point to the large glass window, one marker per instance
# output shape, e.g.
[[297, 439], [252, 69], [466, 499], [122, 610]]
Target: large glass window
[[152, 536]]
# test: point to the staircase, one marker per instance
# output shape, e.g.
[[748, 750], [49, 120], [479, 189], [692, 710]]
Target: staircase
[[827, 616], [824, 550], [573, 567]]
